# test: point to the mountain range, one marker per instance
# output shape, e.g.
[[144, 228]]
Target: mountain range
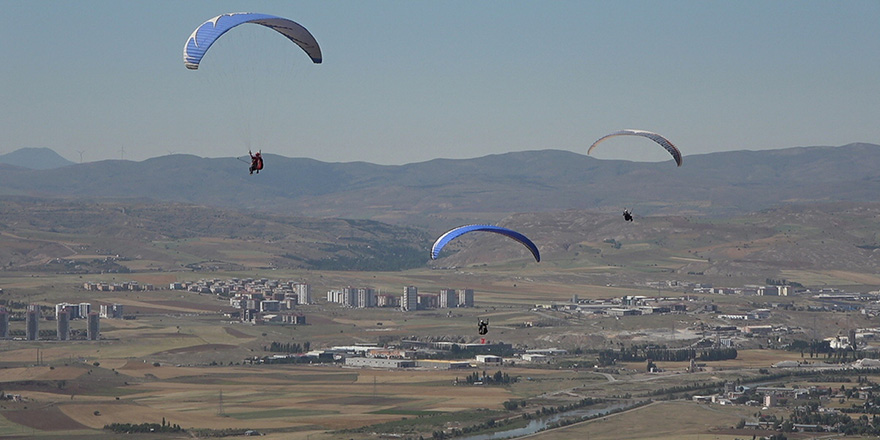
[[446, 192]]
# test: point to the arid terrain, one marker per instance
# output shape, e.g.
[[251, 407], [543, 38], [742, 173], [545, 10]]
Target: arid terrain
[[179, 357]]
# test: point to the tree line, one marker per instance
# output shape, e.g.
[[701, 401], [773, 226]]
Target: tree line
[[130, 428], [499, 378], [288, 347], [641, 354]]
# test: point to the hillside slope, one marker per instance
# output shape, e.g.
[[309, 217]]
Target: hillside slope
[[444, 192]]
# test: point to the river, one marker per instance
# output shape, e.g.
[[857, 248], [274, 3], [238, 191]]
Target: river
[[538, 424]]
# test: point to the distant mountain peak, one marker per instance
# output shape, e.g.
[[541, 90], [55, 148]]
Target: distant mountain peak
[[35, 159]]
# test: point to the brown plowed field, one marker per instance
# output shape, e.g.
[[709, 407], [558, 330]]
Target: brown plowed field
[[45, 419]]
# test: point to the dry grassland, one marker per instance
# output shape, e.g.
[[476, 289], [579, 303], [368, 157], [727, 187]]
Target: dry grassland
[[134, 306], [365, 322], [262, 396], [829, 278], [39, 373], [759, 359], [317, 395]]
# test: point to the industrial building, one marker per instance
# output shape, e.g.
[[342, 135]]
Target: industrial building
[[379, 362], [489, 359], [442, 365]]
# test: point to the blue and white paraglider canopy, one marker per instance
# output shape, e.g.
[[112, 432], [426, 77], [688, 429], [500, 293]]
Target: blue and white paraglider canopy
[[457, 232], [205, 35]]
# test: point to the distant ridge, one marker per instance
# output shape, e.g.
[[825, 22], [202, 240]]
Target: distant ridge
[[35, 159], [449, 192]]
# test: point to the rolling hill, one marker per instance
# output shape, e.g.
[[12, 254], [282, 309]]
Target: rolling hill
[[834, 243], [34, 159], [85, 237], [444, 192]]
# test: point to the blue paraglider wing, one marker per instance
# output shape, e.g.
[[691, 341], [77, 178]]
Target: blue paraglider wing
[[652, 136], [455, 233], [205, 35]]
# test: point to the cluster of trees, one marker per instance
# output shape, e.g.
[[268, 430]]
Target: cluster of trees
[[839, 422], [499, 378], [13, 304], [813, 346], [614, 243], [816, 348], [49, 334], [705, 386], [287, 347], [871, 403], [808, 413], [782, 282], [488, 424], [545, 410], [642, 353], [17, 309], [568, 421], [129, 428], [513, 404]]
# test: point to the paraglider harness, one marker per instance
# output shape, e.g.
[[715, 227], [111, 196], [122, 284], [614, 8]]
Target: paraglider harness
[[483, 327], [627, 215], [256, 162]]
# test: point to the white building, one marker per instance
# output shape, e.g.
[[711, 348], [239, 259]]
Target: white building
[[379, 362], [334, 296], [303, 293], [84, 310], [366, 297], [448, 298], [529, 357], [350, 296], [466, 297], [489, 359], [113, 311]]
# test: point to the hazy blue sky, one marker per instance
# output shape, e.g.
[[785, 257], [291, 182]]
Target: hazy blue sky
[[409, 81]]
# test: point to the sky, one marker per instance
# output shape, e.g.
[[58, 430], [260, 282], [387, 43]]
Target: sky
[[410, 81]]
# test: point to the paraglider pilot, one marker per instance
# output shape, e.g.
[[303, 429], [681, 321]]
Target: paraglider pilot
[[627, 215], [256, 162], [483, 327]]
